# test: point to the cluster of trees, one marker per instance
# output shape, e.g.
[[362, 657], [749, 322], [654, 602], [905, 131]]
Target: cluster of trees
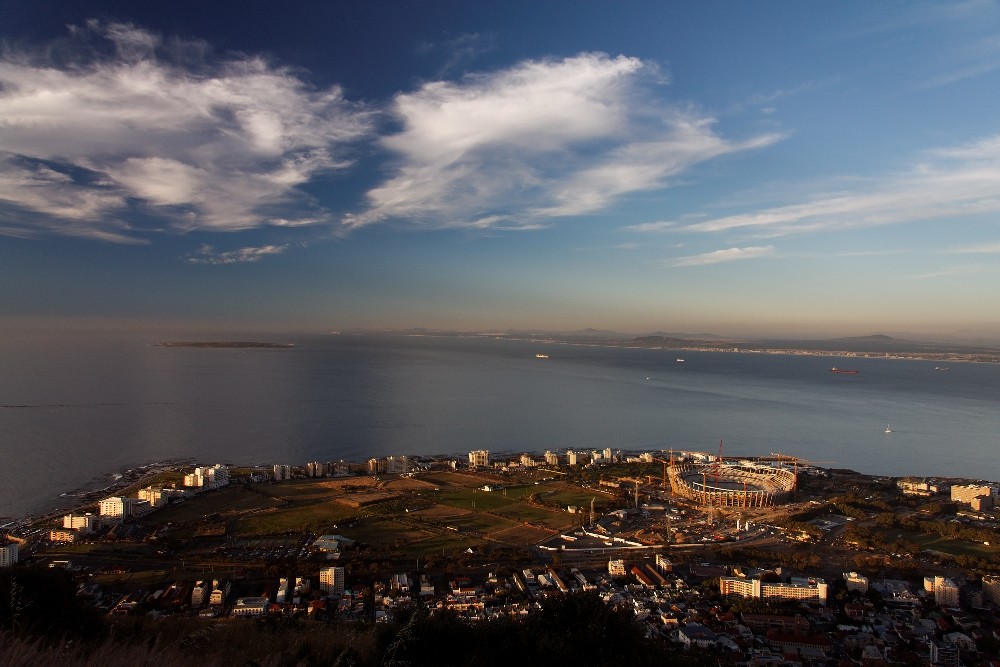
[[801, 559]]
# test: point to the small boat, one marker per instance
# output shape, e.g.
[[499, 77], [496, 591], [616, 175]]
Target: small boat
[[679, 360], [844, 371], [941, 368], [541, 356], [887, 429]]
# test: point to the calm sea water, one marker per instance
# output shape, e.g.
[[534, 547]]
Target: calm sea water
[[76, 409]]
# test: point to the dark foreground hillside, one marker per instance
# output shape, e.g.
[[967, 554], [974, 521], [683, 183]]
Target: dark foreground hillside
[[577, 630]]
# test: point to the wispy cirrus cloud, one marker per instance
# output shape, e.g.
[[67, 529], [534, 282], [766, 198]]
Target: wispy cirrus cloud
[[952, 183], [123, 121], [206, 254], [982, 249], [720, 256], [540, 140]]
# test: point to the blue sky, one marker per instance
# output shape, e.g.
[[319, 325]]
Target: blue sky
[[737, 168]]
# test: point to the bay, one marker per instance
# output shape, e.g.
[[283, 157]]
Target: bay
[[77, 408]]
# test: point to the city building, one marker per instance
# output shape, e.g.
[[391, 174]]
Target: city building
[[117, 508], [250, 606], [155, 497], [479, 458], [965, 494], [856, 582], [919, 487], [607, 455], [63, 535], [315, 469], [616, 568], [944, 654], [282, 472], [82, 523], [331, 580], [397, 465], [991, 588], [527, 461], [551, 459], [811, 588], [946, 592], [200, 594], [208, 477], [8, 554], [572, 457], [663, 564]]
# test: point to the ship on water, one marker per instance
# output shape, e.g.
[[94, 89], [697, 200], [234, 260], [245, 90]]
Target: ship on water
[[844, 371]]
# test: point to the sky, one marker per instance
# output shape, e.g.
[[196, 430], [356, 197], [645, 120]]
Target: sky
[[757, 168]]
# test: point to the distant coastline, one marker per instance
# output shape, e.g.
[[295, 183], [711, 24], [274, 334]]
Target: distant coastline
[[224, 344], [873, 347]]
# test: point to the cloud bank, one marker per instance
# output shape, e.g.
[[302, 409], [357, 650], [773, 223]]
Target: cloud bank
[[540, 140], [145, 133]]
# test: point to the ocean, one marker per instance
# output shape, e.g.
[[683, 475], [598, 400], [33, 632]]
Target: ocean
[[78, 409]]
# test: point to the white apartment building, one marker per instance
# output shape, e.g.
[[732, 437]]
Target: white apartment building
[[945, 592], [479, 458], [82, 523], [208, 477], [551, 459], [8, 554], [965, 494], [799, 589], [607, 454], [572, 457], [527, 461], [331, 580], [991, 588], [117, 507], [282, 472], [155, 497], [315, 469], [616, 568]]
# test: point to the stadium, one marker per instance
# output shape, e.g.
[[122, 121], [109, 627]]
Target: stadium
[[731, 484]]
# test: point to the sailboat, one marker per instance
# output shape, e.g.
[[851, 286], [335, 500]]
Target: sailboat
[[887, 429]]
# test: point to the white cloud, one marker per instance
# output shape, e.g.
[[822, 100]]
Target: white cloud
[[207, 255], [726, 255], [984, 249], [539, 140], [950, 183], [212, 146]]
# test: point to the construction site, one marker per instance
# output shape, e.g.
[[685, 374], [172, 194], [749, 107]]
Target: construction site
[[729, 483]]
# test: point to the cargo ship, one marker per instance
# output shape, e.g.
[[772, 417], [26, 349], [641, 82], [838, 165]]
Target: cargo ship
[[844, 371]]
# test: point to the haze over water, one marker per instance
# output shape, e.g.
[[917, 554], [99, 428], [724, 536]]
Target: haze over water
[[77, 410]]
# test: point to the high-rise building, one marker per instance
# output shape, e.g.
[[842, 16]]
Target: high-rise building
[[282, 472], [479, 458], [572, 457], [945, 592], [8, 554], [315, 469], [551, 459], [117, 507], [331, 580], [991, 588]]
